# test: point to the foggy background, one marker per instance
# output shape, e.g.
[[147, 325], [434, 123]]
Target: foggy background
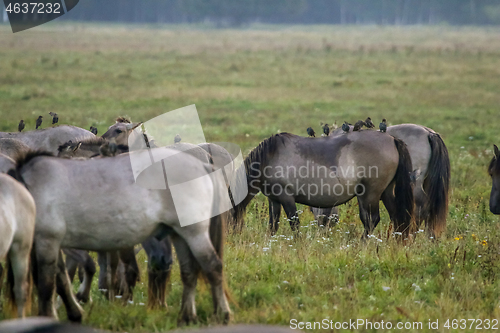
[[237, 13]]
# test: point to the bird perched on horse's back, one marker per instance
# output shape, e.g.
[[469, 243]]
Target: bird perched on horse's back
[[39, 122], [311, 132], [346, 126], [177, 138], [55, 117], [21, 126], [326, 129], [369, 123], [383, 126], [359, 124], [93, 130]]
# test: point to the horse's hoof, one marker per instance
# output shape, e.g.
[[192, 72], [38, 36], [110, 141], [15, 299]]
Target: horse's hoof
[[75, 318], [186, 320], [226, 318], [81, 298]]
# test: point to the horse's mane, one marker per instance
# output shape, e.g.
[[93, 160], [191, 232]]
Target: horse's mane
[[494, 165], [24, 158], [263, 152], [122, 119]]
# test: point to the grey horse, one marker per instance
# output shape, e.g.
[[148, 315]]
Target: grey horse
[[48, 139], [431, 171], [97, 205]]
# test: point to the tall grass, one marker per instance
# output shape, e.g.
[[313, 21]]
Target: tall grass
[[250, 84]]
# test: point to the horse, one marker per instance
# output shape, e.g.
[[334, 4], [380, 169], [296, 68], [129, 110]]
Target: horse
[[87, 199], [48, 139], [17, 225], [159, 251], [337, 169], [494, 172], [431, 174]]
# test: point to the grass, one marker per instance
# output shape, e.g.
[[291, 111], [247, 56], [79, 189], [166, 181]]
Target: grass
[[249, 84]]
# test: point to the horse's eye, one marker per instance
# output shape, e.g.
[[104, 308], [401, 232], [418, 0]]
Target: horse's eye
[[118, 131]]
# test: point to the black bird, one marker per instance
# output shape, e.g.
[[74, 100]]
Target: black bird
[[55, 118], [346, 127], [93, 130], [39, 122], [311, 132], [359, 124], [326, 129], [177, 138], [368, 123], [383, 126], [21, 125]]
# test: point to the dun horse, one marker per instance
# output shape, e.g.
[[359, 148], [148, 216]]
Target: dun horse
[[96, 205], [17, 225], [326, 172], [431, 167]]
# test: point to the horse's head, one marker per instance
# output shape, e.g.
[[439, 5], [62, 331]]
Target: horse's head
[[494, 171], [121, 131]]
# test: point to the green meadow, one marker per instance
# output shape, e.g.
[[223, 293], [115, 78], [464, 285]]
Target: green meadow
[[248, 84]]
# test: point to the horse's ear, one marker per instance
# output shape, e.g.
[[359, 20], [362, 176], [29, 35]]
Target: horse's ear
[[133, 126], [77, 146], [496, 151]]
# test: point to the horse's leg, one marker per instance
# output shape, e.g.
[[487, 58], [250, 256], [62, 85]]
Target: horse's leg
[[112, 264], [421, 206], [19, 256], [274, 215], [159, 269], [389, 201], [47, 255], [291, 212], [103, 265], [128, 258], [73, 309], [71, 265], [189, 275], [369, 212], [89, 270], [212, 266]]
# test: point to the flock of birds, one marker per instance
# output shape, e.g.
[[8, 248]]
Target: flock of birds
[[346, 127], [55, 120]]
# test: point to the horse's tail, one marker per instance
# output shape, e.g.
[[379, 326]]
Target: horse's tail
[[218, 233], [436, 185], [403, 190], [10, 295]]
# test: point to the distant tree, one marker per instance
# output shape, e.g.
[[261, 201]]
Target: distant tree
[[235, 13]]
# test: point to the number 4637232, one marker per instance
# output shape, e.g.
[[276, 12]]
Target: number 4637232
[[34, 8]]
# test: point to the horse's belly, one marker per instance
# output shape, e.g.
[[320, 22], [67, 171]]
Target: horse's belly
[[317, 192], [106, 236]]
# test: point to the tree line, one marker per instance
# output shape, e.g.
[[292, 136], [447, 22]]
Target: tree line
[[241, 12]]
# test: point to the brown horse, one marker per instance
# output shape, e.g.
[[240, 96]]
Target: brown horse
[[329, 171], [494, 171]]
